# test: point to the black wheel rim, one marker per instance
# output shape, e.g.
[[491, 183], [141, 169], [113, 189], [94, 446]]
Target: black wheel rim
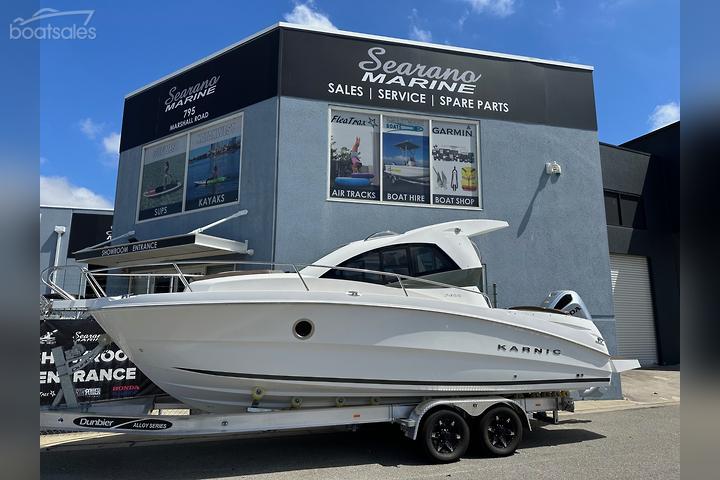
[[446, 435], [502, 431]]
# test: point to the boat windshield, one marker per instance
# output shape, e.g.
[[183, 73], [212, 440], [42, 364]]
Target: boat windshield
[[412, 260]]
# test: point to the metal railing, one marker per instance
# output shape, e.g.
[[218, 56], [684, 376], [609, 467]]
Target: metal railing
[[402, 281]]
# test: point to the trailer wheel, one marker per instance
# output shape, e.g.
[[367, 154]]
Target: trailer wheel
[[501, 431], [445, 436]]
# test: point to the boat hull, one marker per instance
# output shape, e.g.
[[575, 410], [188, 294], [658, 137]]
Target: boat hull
[[212, 353]]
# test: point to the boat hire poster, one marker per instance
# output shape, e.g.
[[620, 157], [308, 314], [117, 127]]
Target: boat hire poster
[[214, 165], [406, 160], [163, 173], [455, 164], [354, 155]]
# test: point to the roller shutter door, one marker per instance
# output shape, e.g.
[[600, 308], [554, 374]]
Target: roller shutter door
[[634, 317]]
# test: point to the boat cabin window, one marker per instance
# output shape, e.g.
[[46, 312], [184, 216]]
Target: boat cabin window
[[413, 260]]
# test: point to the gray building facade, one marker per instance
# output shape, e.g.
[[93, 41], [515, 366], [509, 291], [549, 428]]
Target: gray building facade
[[642, 198], [281, 108], [63, 231]]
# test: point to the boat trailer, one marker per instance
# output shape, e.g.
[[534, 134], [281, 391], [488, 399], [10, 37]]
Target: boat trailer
[[428, 421]]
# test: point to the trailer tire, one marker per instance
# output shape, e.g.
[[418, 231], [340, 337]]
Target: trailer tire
[[445, 436], [501, 431]]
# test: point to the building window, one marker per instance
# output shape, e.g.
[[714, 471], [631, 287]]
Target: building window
[[624, 210], [612, 208]]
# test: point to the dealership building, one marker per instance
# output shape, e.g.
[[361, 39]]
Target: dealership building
[[65, 230], [303, 140]]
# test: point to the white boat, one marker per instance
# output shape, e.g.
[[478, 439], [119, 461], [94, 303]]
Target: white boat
[[363, 333], [408, 173]]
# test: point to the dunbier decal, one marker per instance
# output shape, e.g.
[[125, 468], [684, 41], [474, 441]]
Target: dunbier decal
[[118, 423]]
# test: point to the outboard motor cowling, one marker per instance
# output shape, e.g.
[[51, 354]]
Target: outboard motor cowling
[[567, 301]]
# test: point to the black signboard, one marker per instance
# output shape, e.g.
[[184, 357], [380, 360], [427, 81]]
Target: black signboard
[[88, 229], [111, 375], [422, 79], [242, 76], [361, 71], [136, 247]]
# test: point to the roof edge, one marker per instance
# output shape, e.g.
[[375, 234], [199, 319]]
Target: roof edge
[[70, 207], [366, 36], [620, 147], [653, 132]]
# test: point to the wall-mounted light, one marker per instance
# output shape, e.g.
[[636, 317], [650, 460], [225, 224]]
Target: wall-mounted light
[[553, 168]]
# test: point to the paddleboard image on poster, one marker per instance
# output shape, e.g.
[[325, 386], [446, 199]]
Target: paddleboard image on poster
[[455, 164], [354, 155], [214, 165], [162, 173], [162, 190], [406, 160]]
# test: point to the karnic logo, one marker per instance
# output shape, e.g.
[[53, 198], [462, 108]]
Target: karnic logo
[[51, 24]]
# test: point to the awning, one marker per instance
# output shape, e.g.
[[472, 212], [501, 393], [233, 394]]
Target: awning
[[159, 250]]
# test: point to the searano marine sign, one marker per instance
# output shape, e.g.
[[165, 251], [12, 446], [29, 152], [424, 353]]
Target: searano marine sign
[[427, 80], [365, 72]]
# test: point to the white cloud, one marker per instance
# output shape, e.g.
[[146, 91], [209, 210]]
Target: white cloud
[[43, 160], [111, 143], [559, 9], [417, 33], [462, 19], [306, 14], [90, 128], [499, 8], [664, 114], [111, 149], [59, 191]]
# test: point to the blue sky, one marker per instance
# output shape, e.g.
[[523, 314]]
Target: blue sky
[[633, 45]]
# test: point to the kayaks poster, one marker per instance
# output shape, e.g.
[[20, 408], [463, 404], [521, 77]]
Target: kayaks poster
[[163, 172], [354, 155], [214, 165]]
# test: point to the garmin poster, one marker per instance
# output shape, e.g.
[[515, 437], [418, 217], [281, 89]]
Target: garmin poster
[[354, 155], [406, 160], [455, 164], [111, 375], [161, 189], [213, 174]]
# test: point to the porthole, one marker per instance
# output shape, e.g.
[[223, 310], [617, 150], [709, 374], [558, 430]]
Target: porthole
[[303, 329]]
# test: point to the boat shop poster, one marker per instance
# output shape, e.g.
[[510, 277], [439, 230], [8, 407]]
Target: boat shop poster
[[455, 166], [163, 173]]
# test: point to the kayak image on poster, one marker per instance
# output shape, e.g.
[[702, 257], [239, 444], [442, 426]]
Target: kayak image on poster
[[354, 155], [406, 160], [163, 172], [455, 164], [213, 172]]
